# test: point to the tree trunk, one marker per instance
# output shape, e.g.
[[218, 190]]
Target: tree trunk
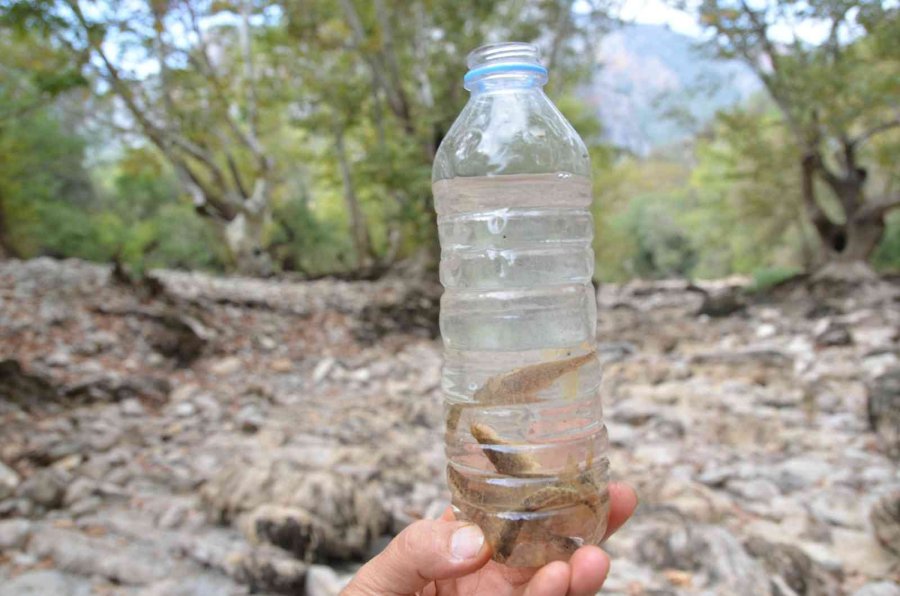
[[359, 232], [7, 249], [244, 237], [861, 235], [856, 238]]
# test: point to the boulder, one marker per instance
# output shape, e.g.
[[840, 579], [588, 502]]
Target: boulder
[[44, 582], [316, 514], [884, 409], [9, 481], [705, 550], [788, 566], [885, 518], [45, 488]]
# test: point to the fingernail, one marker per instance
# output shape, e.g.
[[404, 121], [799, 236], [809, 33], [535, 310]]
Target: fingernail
[[466, 542]]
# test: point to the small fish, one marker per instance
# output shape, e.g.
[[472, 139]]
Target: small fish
[[506, 462], [518, 386]]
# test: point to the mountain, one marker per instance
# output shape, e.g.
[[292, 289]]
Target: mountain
[[654, 87]]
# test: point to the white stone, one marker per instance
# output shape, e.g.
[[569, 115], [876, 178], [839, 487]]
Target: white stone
[[9, 480], [322, 369], [324, 581]]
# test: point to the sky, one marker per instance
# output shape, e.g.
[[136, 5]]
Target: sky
[[657, 12]]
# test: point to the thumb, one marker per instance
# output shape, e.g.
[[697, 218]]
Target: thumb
[[425, 551]]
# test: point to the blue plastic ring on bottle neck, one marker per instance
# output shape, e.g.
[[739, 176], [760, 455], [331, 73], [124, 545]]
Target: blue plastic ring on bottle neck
[[506, 67]]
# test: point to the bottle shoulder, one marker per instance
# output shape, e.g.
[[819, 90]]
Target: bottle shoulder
[[510, 132]]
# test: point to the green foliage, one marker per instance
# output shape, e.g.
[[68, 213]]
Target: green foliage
[[346, 104], [836, 96], [43, 187], [749, 212], [144, 221], [887, 256]]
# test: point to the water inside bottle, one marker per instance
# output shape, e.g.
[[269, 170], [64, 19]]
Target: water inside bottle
[[525, 441]]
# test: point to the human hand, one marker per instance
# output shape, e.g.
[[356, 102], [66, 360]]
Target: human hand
[[444, 556]]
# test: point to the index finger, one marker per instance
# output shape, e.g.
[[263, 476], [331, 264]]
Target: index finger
[[622, 503]]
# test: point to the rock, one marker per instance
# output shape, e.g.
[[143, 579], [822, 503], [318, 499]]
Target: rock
[[60, 357], [691, 499], [45, 582], [634, 413], [266, 343], [179, 336], [324, 581], [128, 563], [132, 407], [838, 506], [884, 409], [209, 405], [292, 529], [282, 365], [173, 517], [766, 330], [706, 550], [185, 409], [722, 303], [789, 566], [184, 392], [612, 352], [885, 518], [860, 553], [30, 389], [756, 489], [249, 418], [9, 481], [885, 588], [14, 533], [829, 333], [226, 366], [45, 487], [95, 343], [348, 515], [801, 473], [105, 387], [320, 372], [266, 569], [197, 584]]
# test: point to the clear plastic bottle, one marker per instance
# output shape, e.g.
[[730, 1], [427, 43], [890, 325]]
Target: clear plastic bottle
[[525, 440]]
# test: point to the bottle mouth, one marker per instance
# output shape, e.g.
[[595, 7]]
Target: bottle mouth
[[499, 58]]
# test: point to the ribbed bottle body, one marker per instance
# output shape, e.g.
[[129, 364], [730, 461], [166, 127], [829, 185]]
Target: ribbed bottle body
[[525, 440]]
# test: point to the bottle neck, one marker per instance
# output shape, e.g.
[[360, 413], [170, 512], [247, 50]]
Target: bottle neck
[[506, 81], [504, 66]]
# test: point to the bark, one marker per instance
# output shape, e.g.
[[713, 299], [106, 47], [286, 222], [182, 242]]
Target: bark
[[856, 238], [359, 233], [380, 63]]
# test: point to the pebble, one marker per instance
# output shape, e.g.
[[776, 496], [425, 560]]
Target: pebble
[[132, 407], [9, 481], [14, 533], [45, 582]]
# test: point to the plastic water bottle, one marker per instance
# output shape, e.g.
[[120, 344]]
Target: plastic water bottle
[[525, 441]]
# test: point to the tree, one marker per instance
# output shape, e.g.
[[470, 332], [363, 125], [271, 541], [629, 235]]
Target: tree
[[201, 111], [281, 118], [749, 210], [835, 95], [386, 84]]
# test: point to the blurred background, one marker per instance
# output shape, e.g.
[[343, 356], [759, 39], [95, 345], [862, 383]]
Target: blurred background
[[219, 356]]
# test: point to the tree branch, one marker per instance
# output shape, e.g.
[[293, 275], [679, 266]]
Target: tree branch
[[826, 228], [878, 209], [396, 100], [875, 130]]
